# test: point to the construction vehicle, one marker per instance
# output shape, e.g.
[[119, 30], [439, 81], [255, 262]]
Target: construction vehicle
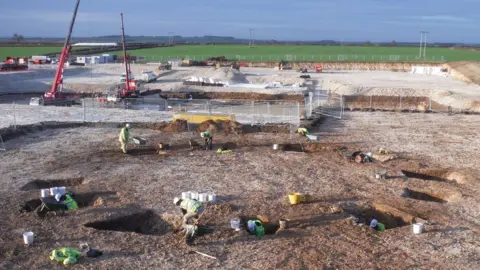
[[283, 65], [14, 64], [55, 96], [166, 66], [318, 68], [40, 60], [235, 65]]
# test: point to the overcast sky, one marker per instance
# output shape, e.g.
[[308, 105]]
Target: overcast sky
[[347, 20]]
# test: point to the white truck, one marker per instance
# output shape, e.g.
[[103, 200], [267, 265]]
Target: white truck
[[148, 76]]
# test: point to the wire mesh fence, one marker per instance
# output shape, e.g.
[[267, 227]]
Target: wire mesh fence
[[324, 103], [154, 110], [301, 58]]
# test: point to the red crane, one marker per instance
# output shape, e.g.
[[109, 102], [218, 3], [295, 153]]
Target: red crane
[[130, 85], [57, 86]]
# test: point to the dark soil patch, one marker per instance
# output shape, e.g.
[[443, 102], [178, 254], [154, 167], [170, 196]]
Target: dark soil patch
[[324, 147], [30, 206], [143, 223], [232, 95], [297, 147], [40, 184], [417, 195]]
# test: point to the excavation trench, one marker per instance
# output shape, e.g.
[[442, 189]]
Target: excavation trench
[[389, 216], [146, 222], [435, 175], [417, 195], [40, 184], [82, 199]]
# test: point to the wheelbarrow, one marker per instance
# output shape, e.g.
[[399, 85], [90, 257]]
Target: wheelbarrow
[[313, 138], [49, 204], [139, 142]]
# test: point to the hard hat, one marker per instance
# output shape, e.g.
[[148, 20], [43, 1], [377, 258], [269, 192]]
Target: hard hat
[[373, 223], [127, 125], [58, 196], [176, 200]]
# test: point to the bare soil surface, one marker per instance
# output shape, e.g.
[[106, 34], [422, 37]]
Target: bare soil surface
[[127, 210], [375, 79], [465, 71]]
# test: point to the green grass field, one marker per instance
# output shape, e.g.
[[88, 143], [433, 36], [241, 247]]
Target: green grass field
[[306, 53], [278, 52]]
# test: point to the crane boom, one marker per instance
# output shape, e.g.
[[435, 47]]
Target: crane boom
[[125, 59], [58, 80]]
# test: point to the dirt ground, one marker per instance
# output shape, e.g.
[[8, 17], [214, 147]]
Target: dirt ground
[[127, 210]]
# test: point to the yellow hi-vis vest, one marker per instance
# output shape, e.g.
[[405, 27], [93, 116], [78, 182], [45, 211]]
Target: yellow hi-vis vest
[[190, 205], [70, 203], [124, 134]]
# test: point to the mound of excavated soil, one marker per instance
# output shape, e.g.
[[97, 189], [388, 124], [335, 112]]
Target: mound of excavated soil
[[465, 71], [224, 74], [176, 126], [226, 126]]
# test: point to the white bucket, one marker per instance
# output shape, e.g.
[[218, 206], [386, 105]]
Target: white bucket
[[212, 197], [194, 195], [202, 197], [45, 192], [275, 147], [235, 223], [186, 195], [28, 238], [62, 190], [417, 228], [53, 191]]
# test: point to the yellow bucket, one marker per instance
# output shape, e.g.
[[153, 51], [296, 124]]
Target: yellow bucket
[[295, 198]]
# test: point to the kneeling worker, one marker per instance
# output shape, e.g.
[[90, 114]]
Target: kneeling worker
[[303, 131], [70, 204], [123, 138], [208, 138], [190, 208]]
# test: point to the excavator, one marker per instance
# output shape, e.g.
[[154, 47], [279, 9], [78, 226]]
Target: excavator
[[55, 96]]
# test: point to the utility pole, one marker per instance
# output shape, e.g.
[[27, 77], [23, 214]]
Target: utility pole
[[170, 38], [423, 44], [251, 41], [250, 38]]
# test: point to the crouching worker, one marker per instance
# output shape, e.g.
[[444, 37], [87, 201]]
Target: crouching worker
[[255, 226], [374, 224], [208, 139], [190, 208], [223, 149], [67, 200], [303, 131], [65, 255]]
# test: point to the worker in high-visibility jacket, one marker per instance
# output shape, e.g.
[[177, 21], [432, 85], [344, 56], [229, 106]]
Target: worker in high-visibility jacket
[[123, 137], [208, 139], [65, 255], [190, 208], [303, 131], [255, 226], [70, 203]]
